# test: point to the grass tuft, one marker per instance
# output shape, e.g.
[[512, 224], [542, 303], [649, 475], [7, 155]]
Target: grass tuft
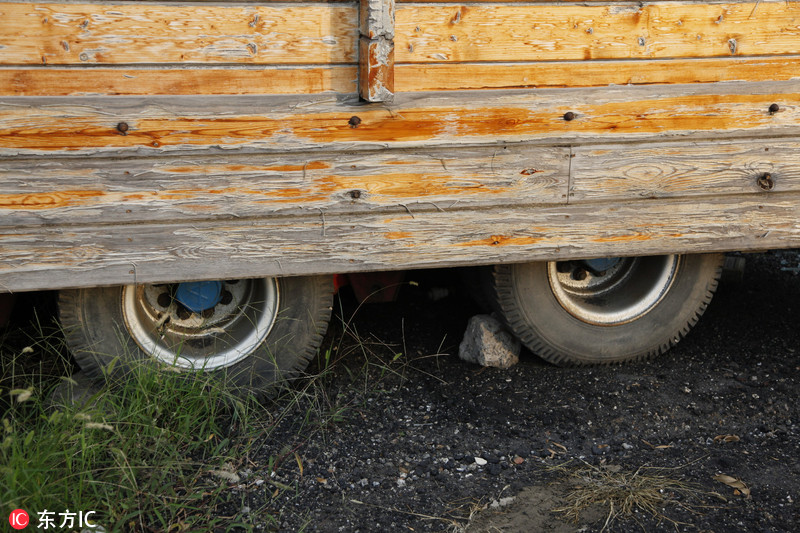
[[624, 493]]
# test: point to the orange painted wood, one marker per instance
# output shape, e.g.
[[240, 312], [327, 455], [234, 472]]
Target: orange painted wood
[[290, 124], [75, 191], [36, 81], [536, 32], [454, 76], [145, 32]]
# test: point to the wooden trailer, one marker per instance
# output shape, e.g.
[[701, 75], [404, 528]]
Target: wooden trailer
[[190, 174]]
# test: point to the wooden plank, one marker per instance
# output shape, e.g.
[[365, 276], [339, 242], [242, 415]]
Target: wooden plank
[[376, 70], [376, 50], [30, 126], [376, 19], [39, 81], [454, 76], [52, 256], [537, 32], [92, 191], [683, 170], [145, 32]]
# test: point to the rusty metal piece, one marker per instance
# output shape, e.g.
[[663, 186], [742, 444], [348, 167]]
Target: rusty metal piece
[[354, 121], [774, 108], [355, 195], [569, 115], [766, 182], [122, 128]]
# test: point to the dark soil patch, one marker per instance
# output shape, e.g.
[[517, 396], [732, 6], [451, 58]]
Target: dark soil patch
[[402, 457]]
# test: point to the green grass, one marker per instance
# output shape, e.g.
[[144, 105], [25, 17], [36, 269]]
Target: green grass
[[157, 451], [169, 451]]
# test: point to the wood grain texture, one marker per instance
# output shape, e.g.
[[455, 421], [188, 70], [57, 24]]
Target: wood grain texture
[[30, 126], [39, 81], [376, 69], [36, 81], [56, 256], [460, 76], [92, 191], [682, 170], [536, 32], [376, 19], [73, 33]]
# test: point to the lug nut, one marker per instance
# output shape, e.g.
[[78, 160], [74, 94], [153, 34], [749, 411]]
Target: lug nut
[[164, 299], [207, 313], [226, 298], [579, 274], [183, 313]]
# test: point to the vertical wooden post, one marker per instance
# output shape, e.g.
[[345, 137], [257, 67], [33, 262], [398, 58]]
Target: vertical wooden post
[[376, 50]]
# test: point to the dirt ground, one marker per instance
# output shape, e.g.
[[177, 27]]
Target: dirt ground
[[704, 438]]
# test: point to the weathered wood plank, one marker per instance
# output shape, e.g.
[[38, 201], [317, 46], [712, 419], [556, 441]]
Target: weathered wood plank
[[92, 191], [376, 51], [144, 32], [53, 81], [536, 32], [54, 256], [683, 170], [455, 76], [292, 124], [376, 69]]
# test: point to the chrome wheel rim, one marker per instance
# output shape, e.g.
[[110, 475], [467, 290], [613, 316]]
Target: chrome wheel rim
[[229, 329], [612, 291]]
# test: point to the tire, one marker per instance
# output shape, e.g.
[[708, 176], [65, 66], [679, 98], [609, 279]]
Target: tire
[[605, 311], [256, 334]]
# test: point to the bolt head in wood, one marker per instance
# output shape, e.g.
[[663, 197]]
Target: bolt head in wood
[[774, 108], [122, 127], [354, 122], [569, 115], [355, 195]]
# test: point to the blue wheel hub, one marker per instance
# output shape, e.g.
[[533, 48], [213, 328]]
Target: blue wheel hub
[[198, 296]]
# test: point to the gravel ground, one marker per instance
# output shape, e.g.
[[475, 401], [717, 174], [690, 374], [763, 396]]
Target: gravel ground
[[439, 444]]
